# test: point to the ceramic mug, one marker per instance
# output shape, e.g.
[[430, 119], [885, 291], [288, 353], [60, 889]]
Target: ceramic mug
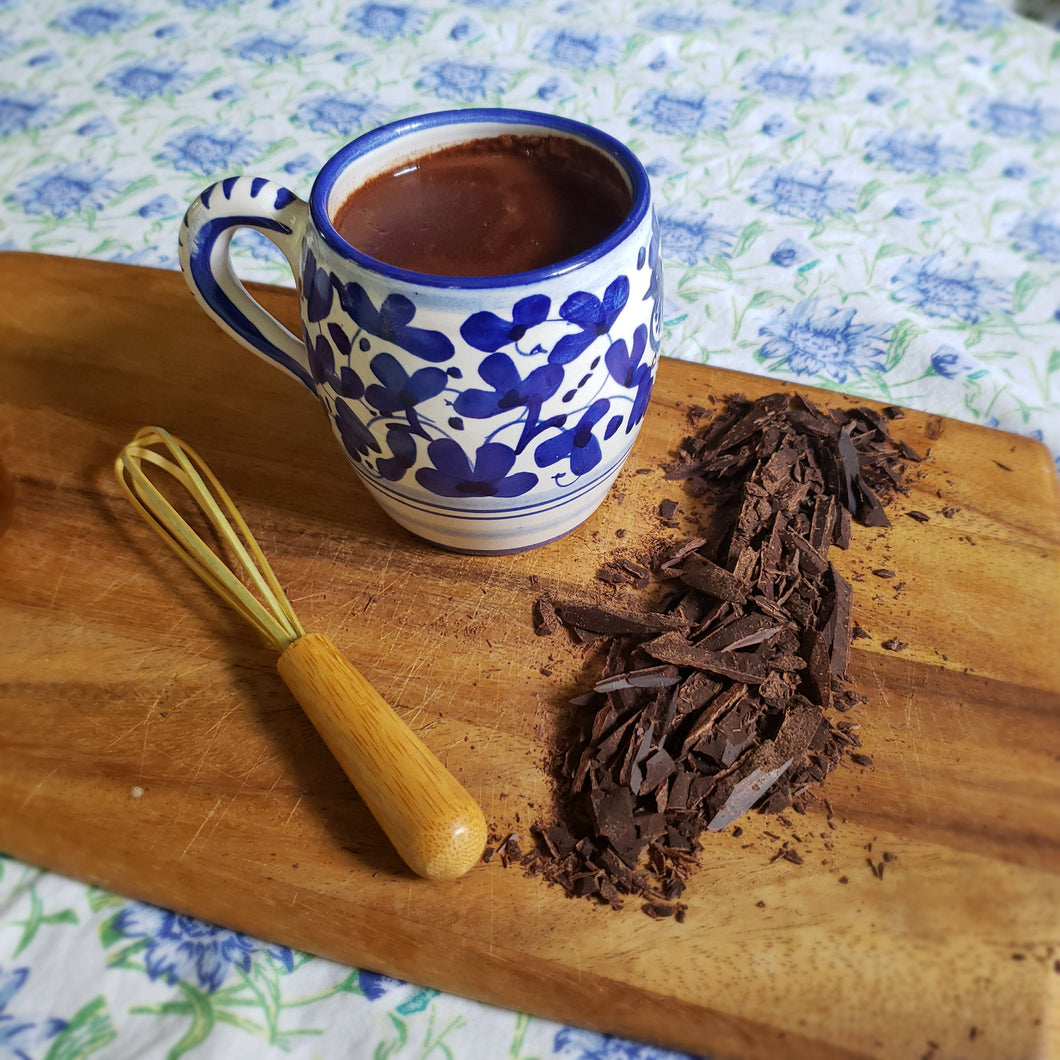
[[486, 414]]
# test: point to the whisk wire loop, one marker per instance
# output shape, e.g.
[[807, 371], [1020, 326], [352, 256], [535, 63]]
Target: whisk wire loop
[[271, 614]]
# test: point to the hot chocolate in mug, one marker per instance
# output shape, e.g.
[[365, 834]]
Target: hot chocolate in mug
[[480, 296]]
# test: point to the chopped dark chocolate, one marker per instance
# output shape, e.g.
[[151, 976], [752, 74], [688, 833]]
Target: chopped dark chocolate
[[718, 696]]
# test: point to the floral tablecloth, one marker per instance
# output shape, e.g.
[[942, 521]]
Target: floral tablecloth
[[857, 194]]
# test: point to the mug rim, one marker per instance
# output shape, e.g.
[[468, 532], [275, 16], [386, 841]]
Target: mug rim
[[618, 152]]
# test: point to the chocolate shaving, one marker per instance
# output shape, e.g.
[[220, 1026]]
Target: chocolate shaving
[[718, 697]]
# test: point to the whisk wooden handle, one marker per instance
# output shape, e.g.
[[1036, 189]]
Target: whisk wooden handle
[[434, 824]]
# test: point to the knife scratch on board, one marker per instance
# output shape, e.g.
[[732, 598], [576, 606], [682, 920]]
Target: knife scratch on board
[[198, 831], [294, 810], [36, 787]]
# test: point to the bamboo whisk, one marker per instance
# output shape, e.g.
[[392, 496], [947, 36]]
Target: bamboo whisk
[[434, 824]]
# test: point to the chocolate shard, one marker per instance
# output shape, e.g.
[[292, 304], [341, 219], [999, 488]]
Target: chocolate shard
[[738, 666], [708, 577], [608, 621], [743, 794]]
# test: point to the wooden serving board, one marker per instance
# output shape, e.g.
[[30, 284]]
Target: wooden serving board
[[150, 748]]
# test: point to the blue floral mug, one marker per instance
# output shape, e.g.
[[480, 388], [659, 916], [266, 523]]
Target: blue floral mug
[[485, 414]]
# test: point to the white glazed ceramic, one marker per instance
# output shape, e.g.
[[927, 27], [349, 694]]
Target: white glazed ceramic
[[486, 414]]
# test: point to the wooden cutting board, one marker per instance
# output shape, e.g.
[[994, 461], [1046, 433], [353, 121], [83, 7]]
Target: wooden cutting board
[[150, 748]]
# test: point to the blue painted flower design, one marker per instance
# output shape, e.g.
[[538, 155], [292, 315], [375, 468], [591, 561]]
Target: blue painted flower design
[[573, 1043], [228, 92], [160, 206], [879, 50], [23, 110], [91, 20], [488, 332], [578, 444], [695, 239], [508, 389], [1038, 234], [788, 253], [302, 163], [402, 446], [463, 81], [182, 949], [64, 191], [880, 96], [776, 7], [453, 475], [778, 125], [386, 21], [811, 341], [357, 439], [576, 49], [343, 379], [628, 368], [42, 60], [22, 1036], [397, 391], [674, 20], [950, 362], [94, 127], [914, 151], [592, 316], [209, 149], [788, 79], [375, 986], [317, 287], [144, 79], [340, 112], [392, 322], [803, 191], [674, 114], [949, 289], [971, 14], [654, 293], [909, 210], [1016, 119], [268, 48], [152, 257]]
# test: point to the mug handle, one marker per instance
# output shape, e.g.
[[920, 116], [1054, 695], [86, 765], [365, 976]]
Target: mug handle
[[206, 261]]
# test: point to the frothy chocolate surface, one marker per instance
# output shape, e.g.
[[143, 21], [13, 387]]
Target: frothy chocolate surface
[[488, 207]]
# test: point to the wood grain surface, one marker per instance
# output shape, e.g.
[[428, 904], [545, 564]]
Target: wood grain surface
[[150, 747]]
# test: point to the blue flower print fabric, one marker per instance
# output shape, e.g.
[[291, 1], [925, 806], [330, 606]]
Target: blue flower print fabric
[[858, 195]]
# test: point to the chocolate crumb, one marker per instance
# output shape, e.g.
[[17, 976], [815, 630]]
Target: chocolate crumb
[[883, 572], [546, 621], [949, 513], [920, 517], [861, 760], [667, 511], [894, 644]]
